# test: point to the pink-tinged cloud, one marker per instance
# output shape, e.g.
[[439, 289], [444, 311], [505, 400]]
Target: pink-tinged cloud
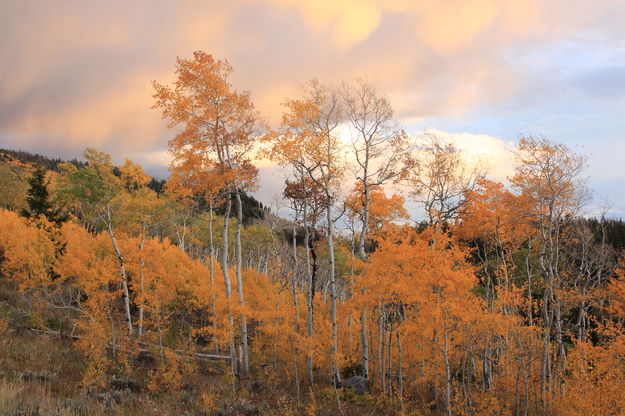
[[77, 73]]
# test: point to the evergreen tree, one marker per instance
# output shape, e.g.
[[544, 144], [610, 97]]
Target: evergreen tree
[[38, 198]]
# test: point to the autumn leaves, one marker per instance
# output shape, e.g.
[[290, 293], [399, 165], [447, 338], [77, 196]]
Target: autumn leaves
[[501, 301], [407, 283]]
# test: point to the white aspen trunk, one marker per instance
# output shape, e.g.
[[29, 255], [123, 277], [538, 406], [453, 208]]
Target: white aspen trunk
[[559, 338], [122, 271], [363, 256], [293, 283], [239, 267], [546, 363], [296, 307], [530, 318], [224, 250], [336, 377], [296, 370], [309, 294], [365, 343], [400, 380], [211, 260], [142, 266], [447, 367], [365, 219], [486, 370], [224, 268], [381, 346], [181, 236], [390, 360], [113, 337], [525, 384]]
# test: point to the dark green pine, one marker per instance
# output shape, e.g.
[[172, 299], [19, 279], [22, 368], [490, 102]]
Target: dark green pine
[[38, 198]]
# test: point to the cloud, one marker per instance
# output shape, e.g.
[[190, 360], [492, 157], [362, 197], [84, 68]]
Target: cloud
[[493, 152], [444, 26], [77, 74], [348, 21]]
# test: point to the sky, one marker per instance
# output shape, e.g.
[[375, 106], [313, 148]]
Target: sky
[[78, 73]]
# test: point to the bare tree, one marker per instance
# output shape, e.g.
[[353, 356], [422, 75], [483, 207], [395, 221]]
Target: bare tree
[[442, 178], [380, 150], [308, 140], [548, 174]]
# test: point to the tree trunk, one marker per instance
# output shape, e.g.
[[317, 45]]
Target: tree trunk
[[122, 271], [224, 269], [381, 347], [363, 256], [530, 318], [400, 380], [447, 368], [310, 293], [142, 266], [245, 358], [336, 377], [211, 260], [365, 343], [486, 369], [390, 360]]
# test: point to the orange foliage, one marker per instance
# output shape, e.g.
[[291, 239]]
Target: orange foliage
[[382, 209], [27, 253]]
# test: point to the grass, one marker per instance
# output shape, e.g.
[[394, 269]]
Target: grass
[[41, 375], [20, 398]]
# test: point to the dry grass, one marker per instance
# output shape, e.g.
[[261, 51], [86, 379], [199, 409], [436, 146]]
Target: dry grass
[[41, 375], [20, 398]]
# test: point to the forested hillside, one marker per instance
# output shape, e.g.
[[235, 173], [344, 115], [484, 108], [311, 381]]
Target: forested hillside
[[120, 295]]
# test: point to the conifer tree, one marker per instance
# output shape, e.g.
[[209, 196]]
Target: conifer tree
[[38, 198]]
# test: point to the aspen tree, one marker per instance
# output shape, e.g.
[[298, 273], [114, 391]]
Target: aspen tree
[[441, 178], [380, 150], [549, 175], [308, 140], [220, 125], [94, 190]]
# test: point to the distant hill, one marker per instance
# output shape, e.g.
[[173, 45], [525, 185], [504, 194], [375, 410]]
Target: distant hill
[[16, 167], [36, 159], [33, 159]]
